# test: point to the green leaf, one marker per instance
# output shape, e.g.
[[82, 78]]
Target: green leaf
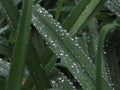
[[82, 13], [104, 30], [59, 7], [61, 43], [18, 60]]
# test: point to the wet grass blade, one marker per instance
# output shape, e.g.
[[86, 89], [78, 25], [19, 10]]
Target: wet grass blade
[[61, 49], [61, 43], [18, 60], [99, 55], [82, 13], [114, 6], [59, 80]]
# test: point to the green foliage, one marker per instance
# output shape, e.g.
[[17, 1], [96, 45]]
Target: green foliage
[[69, 49]]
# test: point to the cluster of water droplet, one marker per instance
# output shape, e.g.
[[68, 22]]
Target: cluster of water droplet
[[108, 76], [60, 80], [64, 46], [114, 6], [4, 29], [4, 68], [51, 41]]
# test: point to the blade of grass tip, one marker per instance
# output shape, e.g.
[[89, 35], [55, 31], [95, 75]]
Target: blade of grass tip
[[18, 60], [59, 8], [12, 12], [99, 55]]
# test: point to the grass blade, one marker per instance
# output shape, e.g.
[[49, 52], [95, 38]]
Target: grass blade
[[59, 80], [19, 53], [76, 12], [61, 43], [59, 8], [99, 55], [82, 13]]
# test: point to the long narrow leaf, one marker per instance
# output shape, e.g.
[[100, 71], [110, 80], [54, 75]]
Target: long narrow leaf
[[18, 60], [61, 43], [82, 13], [99, 55]]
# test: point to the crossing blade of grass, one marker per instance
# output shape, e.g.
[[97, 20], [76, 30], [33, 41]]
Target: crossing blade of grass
[[18, 60], [61, 43], [12, 11], [82, 13], [99, 55], [59, 8]]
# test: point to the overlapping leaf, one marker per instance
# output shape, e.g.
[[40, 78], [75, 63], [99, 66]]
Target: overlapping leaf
[[64, 47]]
